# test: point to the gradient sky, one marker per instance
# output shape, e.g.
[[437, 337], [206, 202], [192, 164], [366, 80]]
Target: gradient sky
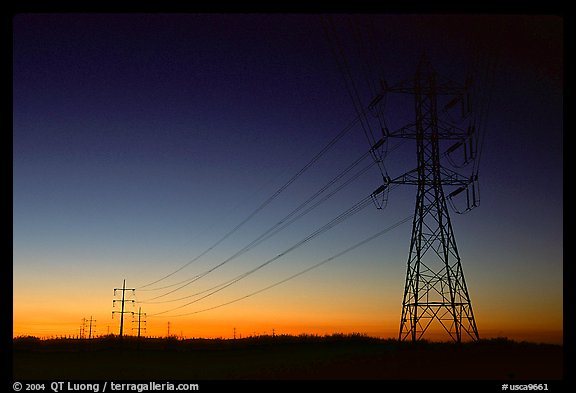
[[140, 140]]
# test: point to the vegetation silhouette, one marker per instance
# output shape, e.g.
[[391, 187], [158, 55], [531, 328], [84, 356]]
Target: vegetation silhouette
[[284, 357]]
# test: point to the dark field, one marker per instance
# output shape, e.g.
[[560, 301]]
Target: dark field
[[283, 358]]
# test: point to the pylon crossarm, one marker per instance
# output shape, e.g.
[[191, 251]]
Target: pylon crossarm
[[410, 177], [452, 178]]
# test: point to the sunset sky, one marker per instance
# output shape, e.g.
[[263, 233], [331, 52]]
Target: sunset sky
[[142, 141]]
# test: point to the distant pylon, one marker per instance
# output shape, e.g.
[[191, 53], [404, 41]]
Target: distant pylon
[[82, 328], [140, 321], [91, 326], [435, 289]]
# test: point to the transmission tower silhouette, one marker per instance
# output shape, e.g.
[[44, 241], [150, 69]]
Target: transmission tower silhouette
[[122, 301], [91, 323], [435, 289], [140, 321]]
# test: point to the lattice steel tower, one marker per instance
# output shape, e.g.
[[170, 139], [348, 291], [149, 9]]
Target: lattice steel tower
[[444, 130]]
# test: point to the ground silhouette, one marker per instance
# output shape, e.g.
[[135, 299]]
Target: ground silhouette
[[283, 357]]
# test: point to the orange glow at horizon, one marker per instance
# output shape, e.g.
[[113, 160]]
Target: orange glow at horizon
[[298, 308], [243, 324], [371, 306], [242, 330]]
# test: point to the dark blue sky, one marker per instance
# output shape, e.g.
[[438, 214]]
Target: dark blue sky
[[141, 139]]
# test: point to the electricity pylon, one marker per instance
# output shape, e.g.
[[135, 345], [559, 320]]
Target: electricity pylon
[[140, 321], [435, 288], [91, 325], [122, 312]]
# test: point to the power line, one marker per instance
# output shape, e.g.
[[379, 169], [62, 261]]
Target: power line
[[260, 241], [487, 80], [275, 229], [282, 224], [340, 218], [302, 272], [343, 65], [266, 202], [377, 104]]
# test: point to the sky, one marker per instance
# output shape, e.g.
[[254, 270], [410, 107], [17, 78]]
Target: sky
[[159, 148]]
